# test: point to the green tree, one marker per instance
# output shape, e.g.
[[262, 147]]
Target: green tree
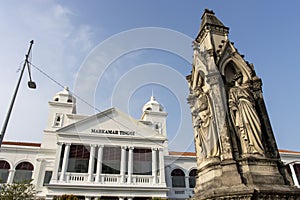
[[18, 191]]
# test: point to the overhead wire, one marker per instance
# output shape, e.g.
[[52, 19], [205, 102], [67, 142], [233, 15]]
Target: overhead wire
[[81, 99]]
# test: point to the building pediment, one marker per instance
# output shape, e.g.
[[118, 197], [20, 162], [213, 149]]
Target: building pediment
[[111, 123]]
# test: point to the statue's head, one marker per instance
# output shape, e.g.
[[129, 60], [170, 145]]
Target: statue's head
[[238, 77]]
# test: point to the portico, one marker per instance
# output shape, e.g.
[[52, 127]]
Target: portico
[[94, 175]]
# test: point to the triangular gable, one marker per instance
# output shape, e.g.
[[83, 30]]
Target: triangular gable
[[111, 123]]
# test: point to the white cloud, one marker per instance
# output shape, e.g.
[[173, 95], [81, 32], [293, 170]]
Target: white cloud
[[59, 46]]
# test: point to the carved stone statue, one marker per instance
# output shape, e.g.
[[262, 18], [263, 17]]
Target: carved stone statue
[[206, 139], [245, 118]]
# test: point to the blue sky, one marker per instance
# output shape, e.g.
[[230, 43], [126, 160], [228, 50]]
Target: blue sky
[[68, 35]]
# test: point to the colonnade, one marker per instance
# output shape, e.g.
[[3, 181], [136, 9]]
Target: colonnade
[[156, 162]]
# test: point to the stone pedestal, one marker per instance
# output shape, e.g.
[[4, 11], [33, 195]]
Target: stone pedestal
[[247, 178]]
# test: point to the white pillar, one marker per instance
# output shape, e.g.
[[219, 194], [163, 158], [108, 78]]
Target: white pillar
[[91, 163], [123, 164], [161, 166], [65, 162], [88, 198], [99, 163], [130, 164], [129, 198], [38, 177], [187, 182], [168, 177], [11, 174], [56, 163], [121, 198], [154, 165], [296, 182]]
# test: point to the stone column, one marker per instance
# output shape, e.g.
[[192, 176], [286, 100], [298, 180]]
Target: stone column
[[11, 174], [161, 166], [154, 165], [88, 198], [294, 174], [99, 163], [123, 163], [91, 163], [56, 163], [130, 164], [65, 162], [121, 198]]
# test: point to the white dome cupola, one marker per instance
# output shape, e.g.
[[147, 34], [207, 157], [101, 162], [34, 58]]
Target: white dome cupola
[[62, 103], [153, 105], [64, 96], [155, 116]]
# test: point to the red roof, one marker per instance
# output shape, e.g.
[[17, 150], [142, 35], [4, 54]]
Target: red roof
[[288, 151], [30, 144], [175, 153]]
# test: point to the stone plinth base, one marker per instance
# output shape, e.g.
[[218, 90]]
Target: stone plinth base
[[260, 192], [247, 178]]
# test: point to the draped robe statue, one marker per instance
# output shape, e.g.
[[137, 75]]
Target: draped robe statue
[[206, 139], [245, 118]]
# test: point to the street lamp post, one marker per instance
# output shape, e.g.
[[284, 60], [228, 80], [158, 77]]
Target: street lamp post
[[31, 85]]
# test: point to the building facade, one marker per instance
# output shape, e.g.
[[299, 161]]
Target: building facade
[[108, 155]]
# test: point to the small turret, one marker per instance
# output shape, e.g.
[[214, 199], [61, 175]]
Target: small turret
[[153, 112], [153, 105], [62, 104]]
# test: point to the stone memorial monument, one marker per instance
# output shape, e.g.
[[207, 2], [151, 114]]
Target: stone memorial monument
[[237, 155]]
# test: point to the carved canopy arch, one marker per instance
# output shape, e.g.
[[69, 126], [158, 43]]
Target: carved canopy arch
[[198, 79], [232, 66]]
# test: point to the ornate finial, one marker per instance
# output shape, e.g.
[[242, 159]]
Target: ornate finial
[[152, 98], [66, 88], [207, 11]]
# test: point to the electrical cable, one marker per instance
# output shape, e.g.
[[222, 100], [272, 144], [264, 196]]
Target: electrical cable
[[81, 99]]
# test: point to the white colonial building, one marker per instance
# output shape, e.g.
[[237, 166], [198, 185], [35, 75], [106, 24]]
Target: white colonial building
[[108, 155]]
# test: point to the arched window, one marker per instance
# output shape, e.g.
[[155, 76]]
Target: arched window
[[192, 178], [23, 172], [4, 167], [178, 178]]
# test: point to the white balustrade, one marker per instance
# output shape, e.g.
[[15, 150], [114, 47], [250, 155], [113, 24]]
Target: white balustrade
[[76, 177], [142, 179], [110, 178], [80, 178]]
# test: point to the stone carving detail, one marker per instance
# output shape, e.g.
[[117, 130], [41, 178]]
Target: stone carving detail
[[206, 139], [244, 117]]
